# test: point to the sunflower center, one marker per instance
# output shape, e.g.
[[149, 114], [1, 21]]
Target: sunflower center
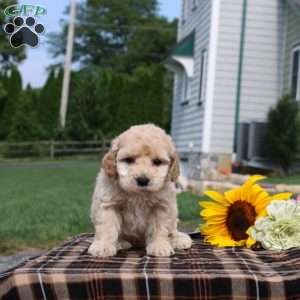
[[241, 215]]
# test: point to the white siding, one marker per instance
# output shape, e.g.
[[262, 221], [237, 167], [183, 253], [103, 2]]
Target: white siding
[[226, 76], [292, 40], [187, 120], [262, 66]]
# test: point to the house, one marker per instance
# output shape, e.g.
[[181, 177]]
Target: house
[[233, 61]]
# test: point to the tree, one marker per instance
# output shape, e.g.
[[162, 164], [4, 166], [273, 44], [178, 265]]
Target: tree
[[8, 55], [10, 79], [3, 93], [88, 107], [25, 125], [12, 82], [118, 34], [127, 40], [283, 131], [104, 103], [49, 103]]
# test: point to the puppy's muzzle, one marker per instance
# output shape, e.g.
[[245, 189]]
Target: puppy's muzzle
[[142, 181]]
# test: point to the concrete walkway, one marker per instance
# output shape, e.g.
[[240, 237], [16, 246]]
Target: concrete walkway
[[7, 262]]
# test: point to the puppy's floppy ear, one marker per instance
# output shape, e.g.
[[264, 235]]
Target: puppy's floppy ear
[[174, 170], [109, 161]]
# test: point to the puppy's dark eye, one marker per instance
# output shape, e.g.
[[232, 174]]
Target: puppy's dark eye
[[157, 162], [129, 160]]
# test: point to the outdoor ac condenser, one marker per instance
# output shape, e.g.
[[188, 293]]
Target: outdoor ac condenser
[[242, 142], [256, 144]]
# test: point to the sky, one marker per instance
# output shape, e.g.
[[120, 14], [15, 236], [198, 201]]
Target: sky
[[33, 69]]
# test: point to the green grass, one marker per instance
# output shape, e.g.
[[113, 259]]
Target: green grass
[[43, 203], [189, 211], [294, 179]]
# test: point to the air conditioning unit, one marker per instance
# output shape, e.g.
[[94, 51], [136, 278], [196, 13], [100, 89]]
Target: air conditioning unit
[[256, 141], [242, 142], [251, 141]]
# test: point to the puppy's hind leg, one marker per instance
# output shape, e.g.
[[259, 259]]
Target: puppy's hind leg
[[123, 245]]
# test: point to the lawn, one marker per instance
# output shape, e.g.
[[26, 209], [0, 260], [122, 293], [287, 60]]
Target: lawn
[[45, 202], [42, 203], [294, 179]]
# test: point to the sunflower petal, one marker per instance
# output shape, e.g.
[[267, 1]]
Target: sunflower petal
[[216, 196], [262, 214], [282, 196], [253, 193], [261, 196], [214, 230], [212, 205], [248, 184], [262, 204], [253, 179], [206, 212], [224, 241], [233, 195], [208, 227], [250, 242], [215, 221]]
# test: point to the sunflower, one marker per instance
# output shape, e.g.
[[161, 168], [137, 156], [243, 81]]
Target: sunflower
[[228, 217]]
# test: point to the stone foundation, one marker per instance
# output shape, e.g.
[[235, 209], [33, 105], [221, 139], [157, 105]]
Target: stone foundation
[[214, 172], [203, 166], [215, 166]]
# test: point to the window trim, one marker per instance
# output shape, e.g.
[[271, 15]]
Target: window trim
[[186, 86], [295, 49], [185, 10], [194, 5], [203, 71]]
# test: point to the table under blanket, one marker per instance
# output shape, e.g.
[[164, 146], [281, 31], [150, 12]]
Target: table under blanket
[[202, 272]]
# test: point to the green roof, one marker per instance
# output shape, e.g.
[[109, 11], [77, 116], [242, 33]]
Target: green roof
[[185, 47]]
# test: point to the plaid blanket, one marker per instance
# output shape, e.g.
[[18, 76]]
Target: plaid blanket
[[203, 272]]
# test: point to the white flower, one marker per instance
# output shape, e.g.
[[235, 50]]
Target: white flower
[[280, 230]]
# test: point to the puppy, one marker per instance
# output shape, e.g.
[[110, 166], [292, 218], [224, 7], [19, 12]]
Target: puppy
[[134, 201]]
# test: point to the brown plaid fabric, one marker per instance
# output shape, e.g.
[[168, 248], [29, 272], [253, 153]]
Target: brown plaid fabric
[[203, 272]]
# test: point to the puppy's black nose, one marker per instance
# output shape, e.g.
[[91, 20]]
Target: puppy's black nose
[[142, 181]]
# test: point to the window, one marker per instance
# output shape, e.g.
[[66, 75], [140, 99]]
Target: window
[[194, 4], [203, 69], [186, 83], [185, 10], [295, 70]]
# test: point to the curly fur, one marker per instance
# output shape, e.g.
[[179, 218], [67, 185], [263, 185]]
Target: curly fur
[[124, 213]]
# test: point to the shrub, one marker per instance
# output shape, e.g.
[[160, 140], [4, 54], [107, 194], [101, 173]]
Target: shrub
[[25, 125], [283, 130], [12, 82]]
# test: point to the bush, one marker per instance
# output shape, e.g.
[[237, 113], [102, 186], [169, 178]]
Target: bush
[[105, 103], [283, 130], [49, 104], [25, 125], [102, 103], [12, 83]]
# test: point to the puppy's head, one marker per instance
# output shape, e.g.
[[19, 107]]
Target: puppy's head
[[142, 158]]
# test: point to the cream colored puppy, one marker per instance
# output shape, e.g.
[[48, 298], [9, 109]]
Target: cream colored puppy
[[134, 201]]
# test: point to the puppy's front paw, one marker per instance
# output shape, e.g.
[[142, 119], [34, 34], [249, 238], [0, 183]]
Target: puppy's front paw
[[181, 241], [101, 249], [160, 248]]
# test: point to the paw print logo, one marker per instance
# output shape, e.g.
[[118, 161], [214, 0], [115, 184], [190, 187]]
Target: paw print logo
[[24, 32]]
